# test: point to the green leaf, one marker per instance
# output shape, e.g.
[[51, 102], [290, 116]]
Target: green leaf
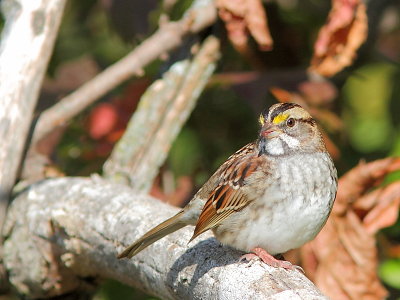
[[367, 115], [389, 271], [185, 153]]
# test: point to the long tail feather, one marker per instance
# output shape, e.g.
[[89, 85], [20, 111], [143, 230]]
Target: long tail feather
[[158, 232]]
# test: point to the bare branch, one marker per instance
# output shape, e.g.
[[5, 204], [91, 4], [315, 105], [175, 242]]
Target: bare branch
[[169, 36], [77, 237], [26, 45], [163, 110]]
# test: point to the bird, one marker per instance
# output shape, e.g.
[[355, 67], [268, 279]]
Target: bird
[[273, 195]]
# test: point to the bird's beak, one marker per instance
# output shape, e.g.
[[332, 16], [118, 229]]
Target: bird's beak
[[270, 131]]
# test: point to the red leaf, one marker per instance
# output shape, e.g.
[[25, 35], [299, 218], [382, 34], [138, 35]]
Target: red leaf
[[102, 120]]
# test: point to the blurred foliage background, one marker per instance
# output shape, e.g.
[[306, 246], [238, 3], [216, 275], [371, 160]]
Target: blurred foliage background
[[96, 33]]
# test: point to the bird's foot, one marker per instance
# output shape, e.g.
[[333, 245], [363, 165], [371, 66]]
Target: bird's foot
[[267, 258]]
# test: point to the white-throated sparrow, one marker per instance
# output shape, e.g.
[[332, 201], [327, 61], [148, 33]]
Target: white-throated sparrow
[[271, 196]]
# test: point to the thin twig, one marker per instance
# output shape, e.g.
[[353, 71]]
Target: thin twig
[[162, 112], [201, 14]]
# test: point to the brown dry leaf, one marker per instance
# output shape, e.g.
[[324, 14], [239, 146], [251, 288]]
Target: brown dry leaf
[[330, 146], [315, 97], [182, 193], [256, 19], [339, 39], [177, 197], [242, 17], [358, 180], [282, 95], [318, 92], [386, 211], [394, 251], [342, 260], [332, 121]]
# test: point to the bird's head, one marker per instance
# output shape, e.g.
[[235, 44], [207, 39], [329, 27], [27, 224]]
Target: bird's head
[[288, 128]]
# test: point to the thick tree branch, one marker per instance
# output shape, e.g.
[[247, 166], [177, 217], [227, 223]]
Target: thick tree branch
[[167, 37], [68, 231], [163, 110], [26, 44]]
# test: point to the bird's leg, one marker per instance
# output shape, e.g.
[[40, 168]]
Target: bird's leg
[[269, 259]]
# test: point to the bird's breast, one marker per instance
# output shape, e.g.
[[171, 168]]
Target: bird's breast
[[292, 210]]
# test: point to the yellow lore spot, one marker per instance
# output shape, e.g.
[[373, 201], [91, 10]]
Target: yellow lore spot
[[261, 120], [280, 118]]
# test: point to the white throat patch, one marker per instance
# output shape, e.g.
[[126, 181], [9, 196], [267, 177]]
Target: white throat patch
[[290, 141], [274, 147]]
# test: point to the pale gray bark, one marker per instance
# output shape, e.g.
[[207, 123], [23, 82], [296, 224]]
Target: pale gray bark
[[161, 113], [61, 231], [26, 44]]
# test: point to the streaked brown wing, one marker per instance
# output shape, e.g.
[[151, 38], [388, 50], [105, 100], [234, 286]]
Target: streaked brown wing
[[229, 196]]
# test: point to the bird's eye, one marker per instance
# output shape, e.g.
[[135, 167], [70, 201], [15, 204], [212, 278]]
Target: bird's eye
[[290, 122]]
